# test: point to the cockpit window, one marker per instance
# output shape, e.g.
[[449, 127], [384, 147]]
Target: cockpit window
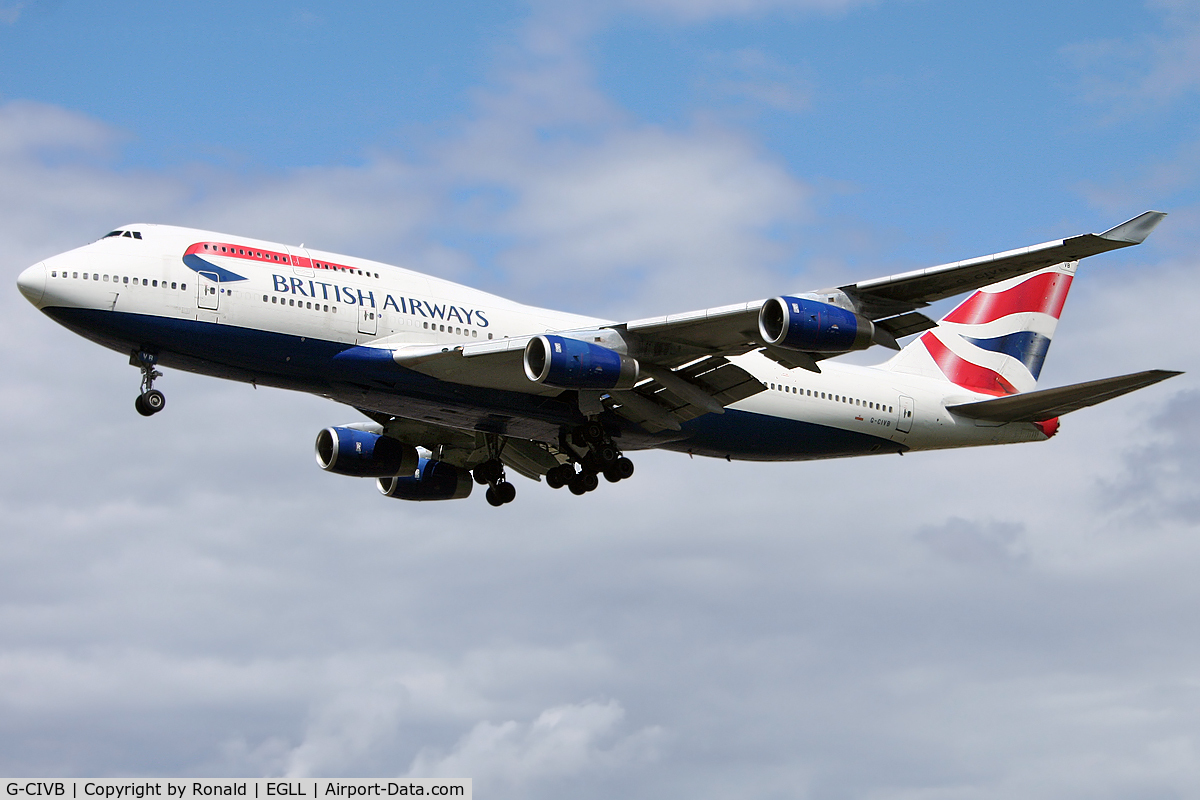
[[129, 234]]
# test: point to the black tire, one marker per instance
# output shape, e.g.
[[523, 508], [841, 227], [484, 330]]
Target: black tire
[[140, 405], [623, 467], [153, 401], [589, 481], [611, 475], [493, 498], [607, 455], [506, 491], [576, 486], [488, 472], [593, 432], [556, 478]]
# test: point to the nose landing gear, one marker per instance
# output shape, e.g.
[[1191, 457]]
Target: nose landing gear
[[151, 400]]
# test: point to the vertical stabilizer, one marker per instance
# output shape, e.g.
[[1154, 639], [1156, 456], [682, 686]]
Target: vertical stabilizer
[[996, 340]]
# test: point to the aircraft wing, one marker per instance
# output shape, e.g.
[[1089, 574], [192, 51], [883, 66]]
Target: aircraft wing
[[882, 297], [683, 358], [890, 302], [666, 395], [1049, 403]]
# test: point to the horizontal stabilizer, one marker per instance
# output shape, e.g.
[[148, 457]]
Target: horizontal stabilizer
[[1050, 403]]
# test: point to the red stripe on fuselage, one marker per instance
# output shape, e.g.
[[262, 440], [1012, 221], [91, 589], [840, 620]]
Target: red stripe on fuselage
[[964, 373], [261, 256], [1045, 293]]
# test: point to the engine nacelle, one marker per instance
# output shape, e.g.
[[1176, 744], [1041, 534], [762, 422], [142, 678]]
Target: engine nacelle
[[795, 323], [362, 454], [572, 364], [431, 480]]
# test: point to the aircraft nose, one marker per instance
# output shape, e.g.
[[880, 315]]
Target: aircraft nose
[[32, 283]]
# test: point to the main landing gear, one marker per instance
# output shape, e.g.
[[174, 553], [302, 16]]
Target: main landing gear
[[596, 455], [500, 491], [151, 400]]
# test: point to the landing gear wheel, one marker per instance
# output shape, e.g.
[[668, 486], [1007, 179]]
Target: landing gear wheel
[[560, 476], [584, 482], [593, 432], [607, 455], [488, 472], [623, 467], [150, 403], [500, 493]]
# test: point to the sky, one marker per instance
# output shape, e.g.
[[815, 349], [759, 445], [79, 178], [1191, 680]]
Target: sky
[[190, 596]]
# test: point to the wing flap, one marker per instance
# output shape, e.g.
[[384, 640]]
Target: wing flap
[[727, 330], [491, 365], [529, 458], [663, 404], [1049, 403], [906, 324]]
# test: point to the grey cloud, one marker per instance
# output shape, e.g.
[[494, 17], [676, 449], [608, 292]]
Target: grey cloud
[[1161, 479], [973, 544], [565, 741], [190, 595]]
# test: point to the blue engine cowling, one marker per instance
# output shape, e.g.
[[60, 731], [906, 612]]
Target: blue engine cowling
[[362, 454], [432, 480], [795, 323], [572, 364]]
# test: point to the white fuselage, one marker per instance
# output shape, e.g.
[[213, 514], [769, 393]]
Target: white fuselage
[[244, 309]]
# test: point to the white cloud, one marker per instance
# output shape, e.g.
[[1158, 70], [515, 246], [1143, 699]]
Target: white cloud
[[704, 10], [1133, 76], [189, 594], [567, 741]]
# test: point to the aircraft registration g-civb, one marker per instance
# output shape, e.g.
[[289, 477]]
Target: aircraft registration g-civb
[[459, 384]]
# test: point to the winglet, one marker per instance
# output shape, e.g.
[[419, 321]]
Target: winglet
[[1135, 230]]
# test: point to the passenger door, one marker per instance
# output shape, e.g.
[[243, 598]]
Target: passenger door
[[208, 290], [368, 320], [907, 409]]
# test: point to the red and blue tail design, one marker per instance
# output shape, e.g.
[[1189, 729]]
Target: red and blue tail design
[[994, 342]]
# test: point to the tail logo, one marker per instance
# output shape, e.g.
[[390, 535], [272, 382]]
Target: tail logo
[[965, 373], [1000, 336]]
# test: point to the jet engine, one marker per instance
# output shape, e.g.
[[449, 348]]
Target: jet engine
[[795, 323], [572, 364], [431, 480], [363, 454]]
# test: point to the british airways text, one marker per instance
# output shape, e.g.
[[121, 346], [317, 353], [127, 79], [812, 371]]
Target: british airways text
[[349, 295]]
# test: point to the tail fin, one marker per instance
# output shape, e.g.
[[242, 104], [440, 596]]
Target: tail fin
[[996, 340]]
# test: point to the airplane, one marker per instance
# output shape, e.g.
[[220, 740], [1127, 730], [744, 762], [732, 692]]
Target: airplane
[[457, 385]]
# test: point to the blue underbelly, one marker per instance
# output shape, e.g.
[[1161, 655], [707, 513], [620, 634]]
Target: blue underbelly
[[747, 436]]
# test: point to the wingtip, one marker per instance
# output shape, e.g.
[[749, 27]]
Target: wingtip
[[1135, 230]]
